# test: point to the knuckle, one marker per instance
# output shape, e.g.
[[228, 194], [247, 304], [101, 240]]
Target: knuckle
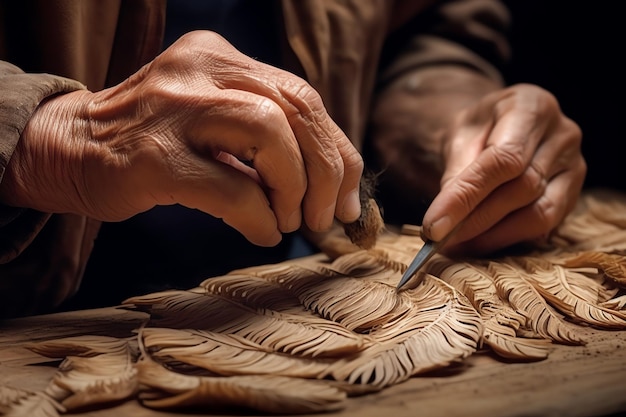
[[535, 101], [306, 100], [303, 91], [468, 193], [510, 158], [534, 181], [332, 166], [581, 169], [573, 130], [199, 41], [481, 220], [266, 112], [546, 213], [354, 163]]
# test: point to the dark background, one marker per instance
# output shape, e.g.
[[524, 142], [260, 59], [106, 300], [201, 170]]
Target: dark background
[[575, 49]]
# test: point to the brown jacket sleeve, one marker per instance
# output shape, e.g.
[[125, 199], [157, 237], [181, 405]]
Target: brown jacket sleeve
[[440, 61], [34, 275], [465, 33], [99, 44]]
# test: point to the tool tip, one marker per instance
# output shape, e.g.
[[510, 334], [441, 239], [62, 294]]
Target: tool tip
[[405, 278]]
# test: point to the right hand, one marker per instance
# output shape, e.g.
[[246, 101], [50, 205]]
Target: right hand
[[513, 170], [203, 126]]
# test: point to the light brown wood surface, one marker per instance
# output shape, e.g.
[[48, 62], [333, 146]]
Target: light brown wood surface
[[574, 381]]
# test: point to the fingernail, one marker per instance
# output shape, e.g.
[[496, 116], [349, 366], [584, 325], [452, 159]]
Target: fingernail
[[275, 239], [351, 207], [294, 221], [438, 229]]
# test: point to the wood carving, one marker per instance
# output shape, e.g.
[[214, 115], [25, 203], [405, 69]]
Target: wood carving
[[304, 335]]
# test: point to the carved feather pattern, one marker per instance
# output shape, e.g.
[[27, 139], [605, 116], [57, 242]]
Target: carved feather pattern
[[96, 369], [366, 262], [442, 329], [275, 331], [502, 321], [254, 292], [225, 354], [614, 266], [20, 403], [597, 224], [542, 318], [301, 336], [579, 303], [437, 308], [268, 393]]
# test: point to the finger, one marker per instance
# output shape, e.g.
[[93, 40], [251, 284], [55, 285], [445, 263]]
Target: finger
[[253, 128], [225, 192], [560, 150], [509, 197], [348, 209], [229, 159], [334, 169], [528, 223], [557, 153], [508, 152], [469, 138], [333, 165]]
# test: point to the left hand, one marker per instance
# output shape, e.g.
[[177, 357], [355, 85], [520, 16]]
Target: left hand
[[513, 170]]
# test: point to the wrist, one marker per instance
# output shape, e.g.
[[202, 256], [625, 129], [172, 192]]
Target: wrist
[[45, 170]]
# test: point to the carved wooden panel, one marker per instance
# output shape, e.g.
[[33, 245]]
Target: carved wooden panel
[[302, 336]]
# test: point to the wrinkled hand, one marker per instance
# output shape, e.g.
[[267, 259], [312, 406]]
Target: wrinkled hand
[[203, 126], [513, 171]]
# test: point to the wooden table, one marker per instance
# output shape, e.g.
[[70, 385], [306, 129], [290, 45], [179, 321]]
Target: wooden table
[[574, 381]]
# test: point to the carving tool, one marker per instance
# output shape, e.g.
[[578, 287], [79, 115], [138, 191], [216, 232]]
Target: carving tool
[[423, 255]]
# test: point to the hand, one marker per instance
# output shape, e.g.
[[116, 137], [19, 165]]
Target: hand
[[513, 171], [203, 126]]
